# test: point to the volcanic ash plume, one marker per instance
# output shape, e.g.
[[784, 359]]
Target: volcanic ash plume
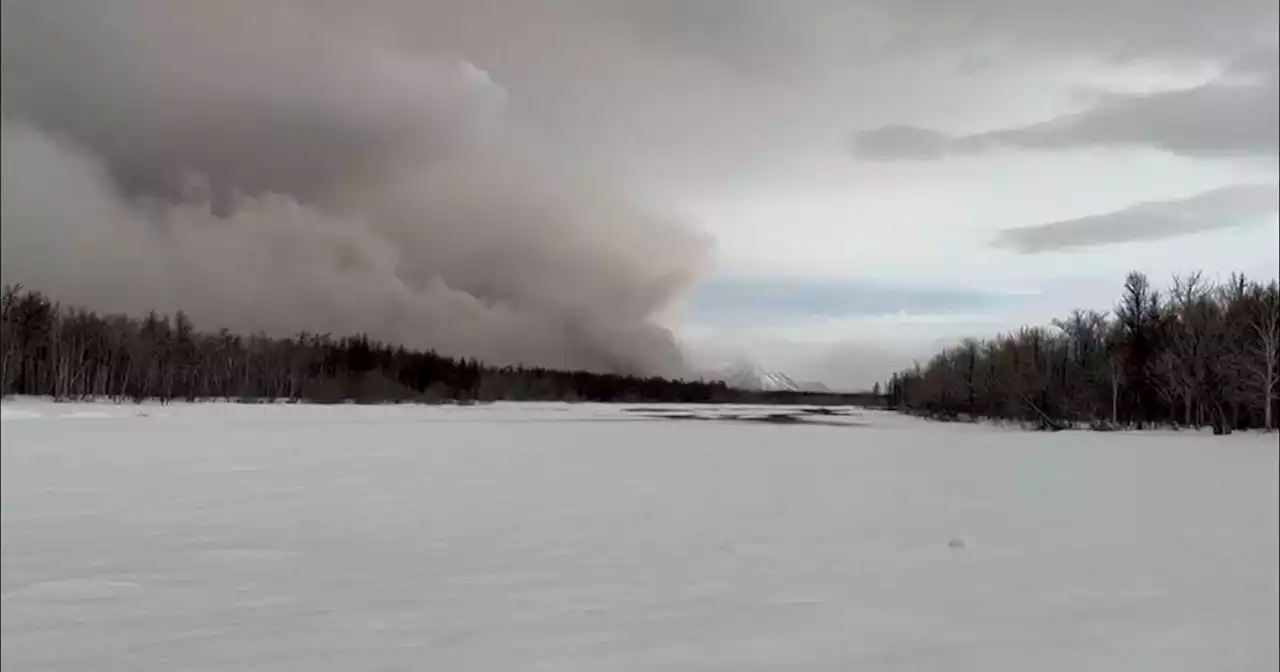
[[172, 155]]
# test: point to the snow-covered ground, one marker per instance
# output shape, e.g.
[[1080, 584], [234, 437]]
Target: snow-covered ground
[[556, 537]]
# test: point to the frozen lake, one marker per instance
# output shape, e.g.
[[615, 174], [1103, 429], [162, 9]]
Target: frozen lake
[[555, 537]]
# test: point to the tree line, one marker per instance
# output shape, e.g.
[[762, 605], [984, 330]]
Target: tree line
[[1201, 353], [47, 349], [68, 353]]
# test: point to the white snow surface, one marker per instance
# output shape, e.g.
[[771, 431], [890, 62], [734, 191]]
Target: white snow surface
[[584, 537]]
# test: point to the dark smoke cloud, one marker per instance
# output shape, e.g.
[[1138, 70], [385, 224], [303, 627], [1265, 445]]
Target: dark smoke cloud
[[285, 170]]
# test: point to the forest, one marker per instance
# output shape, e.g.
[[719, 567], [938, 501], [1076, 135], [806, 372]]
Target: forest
[[67, 353], [1198, 354]]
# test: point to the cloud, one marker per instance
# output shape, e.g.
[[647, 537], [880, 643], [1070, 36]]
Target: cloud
[[282, 170], [737, 31], [1237, 114], [1215, 209], [493, 178]]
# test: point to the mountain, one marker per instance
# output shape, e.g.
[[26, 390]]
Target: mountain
[[745, 375], [814, 386]]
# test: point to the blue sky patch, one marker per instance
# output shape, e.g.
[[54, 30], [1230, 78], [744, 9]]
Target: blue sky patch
[[729, 298]]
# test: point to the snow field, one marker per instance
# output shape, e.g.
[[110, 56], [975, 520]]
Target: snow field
[[583, 537]]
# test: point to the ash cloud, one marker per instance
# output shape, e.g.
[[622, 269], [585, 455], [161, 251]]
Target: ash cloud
[[287, 170]]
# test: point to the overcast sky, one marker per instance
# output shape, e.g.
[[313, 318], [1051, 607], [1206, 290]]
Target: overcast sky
[[876, 177], [1004, 162]]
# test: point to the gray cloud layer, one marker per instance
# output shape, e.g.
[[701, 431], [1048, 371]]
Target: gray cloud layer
[[278, 170], [1234, 115], [771, 34], [465, 174], [1216, 209]]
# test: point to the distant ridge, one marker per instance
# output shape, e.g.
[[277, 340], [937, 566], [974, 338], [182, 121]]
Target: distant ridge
[[746, 375]]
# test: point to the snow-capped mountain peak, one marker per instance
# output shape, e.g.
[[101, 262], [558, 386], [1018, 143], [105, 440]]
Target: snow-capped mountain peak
[[745, 375]]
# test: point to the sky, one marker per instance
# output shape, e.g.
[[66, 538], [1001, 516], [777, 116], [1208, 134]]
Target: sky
[[827, 187]]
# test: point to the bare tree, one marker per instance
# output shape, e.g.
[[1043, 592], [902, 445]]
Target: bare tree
[[1262, 361], [1202, 353]]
